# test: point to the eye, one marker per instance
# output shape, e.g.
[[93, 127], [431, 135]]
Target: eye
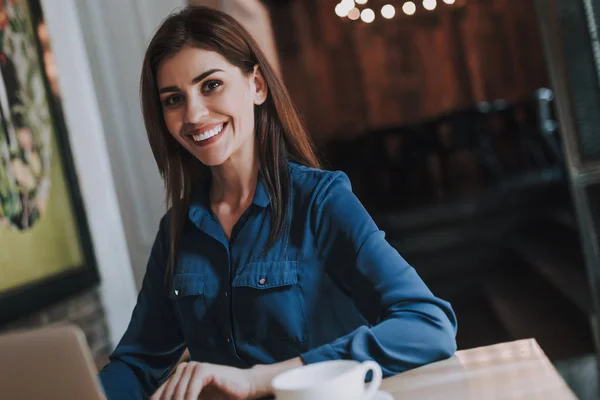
[[172, 100], [212, 85]]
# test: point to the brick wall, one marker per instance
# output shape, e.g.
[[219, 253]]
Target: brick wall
[[84, 310]]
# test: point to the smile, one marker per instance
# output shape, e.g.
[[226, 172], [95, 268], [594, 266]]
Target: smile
[[208, 134]]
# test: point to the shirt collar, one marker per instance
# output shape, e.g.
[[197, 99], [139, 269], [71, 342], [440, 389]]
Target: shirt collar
[[261, 196], [200, 201]]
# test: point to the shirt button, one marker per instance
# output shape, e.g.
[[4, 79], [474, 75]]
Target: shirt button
[[226, 294], [262, 281], [228, 340]]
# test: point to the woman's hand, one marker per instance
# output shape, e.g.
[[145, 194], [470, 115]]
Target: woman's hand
[[194, 380]]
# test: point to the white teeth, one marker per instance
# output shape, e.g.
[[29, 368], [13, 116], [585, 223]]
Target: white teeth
[[208, 134]]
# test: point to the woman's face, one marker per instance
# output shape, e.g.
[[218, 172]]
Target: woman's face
[[208, 104]]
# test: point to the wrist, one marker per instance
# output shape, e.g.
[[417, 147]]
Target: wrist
[[261, 376]]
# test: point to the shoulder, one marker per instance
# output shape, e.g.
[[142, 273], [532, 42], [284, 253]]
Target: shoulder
[[315, 182], [326, 197]]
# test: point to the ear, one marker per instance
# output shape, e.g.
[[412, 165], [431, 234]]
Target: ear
[[259, 86]]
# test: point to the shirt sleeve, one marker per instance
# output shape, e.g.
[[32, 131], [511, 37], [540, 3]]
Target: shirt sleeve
[[409, 326], [153, 342]]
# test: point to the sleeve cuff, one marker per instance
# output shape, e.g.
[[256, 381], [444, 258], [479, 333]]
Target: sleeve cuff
[[118, 381], [323, 353]]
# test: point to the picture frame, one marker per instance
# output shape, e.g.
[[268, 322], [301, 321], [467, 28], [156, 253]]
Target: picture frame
[[46, 252]]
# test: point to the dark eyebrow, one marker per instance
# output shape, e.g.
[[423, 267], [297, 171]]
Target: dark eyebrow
[[197, 79]]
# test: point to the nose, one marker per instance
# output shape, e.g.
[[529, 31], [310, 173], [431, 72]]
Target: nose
[[195, 110]]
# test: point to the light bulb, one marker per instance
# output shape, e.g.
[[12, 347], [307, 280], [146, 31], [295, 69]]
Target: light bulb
[[341, 10], [367, 15], [429, 4], [348, 4], [354, 14], [409, 8], [388, 11]]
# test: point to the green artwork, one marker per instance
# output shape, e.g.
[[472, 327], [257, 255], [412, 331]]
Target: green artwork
[[39, 234]]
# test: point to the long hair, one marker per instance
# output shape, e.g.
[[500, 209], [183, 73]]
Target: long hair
[[280, 134]]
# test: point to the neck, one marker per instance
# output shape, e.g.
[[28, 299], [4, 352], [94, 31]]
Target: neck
[[234, 182]]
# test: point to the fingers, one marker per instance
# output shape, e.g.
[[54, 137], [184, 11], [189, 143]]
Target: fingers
[[174, 381], [196, 383], [165, 392], [184, 381]]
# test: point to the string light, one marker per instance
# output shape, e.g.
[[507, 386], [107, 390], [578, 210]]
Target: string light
[[354, 14], [341, 10], [409, 8], [388, 11], [367, 15], [350, 9], [429, 4]]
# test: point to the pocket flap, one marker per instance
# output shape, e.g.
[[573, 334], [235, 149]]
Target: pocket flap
[[186, 285], [266, 275]]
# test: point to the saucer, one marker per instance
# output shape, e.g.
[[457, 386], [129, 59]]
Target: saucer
[[380, 395]]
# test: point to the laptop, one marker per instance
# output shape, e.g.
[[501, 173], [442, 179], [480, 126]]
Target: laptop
[[50, 363]]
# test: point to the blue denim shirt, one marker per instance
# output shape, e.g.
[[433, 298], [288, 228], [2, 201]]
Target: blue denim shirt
[[331, 288]]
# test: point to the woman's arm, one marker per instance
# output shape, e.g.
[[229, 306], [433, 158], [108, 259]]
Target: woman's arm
[[153, 342], [210, 381], [410, 326], [263, 374]]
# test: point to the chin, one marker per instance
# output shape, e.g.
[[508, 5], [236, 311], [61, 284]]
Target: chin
[[211, 160], [212, 163]]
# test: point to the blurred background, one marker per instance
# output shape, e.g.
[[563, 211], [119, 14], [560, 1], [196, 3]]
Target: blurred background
[[466, 127]]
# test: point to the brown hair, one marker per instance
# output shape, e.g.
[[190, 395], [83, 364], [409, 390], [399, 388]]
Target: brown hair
[[279, 131]]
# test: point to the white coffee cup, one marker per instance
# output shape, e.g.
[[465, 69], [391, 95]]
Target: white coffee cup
[[328, 380]]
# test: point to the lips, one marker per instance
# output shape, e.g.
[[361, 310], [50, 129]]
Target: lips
[[208, 136]]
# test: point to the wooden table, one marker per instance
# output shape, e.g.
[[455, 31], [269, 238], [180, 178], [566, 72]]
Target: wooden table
[[513, 370]]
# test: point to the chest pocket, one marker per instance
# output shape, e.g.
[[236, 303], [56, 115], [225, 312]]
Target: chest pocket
[[189, 295], [267, 302]]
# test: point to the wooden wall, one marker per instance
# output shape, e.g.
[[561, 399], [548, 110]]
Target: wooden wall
[[348, 77]]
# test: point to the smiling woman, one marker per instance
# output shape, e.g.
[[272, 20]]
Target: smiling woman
[[264, 261], [231, 50]]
